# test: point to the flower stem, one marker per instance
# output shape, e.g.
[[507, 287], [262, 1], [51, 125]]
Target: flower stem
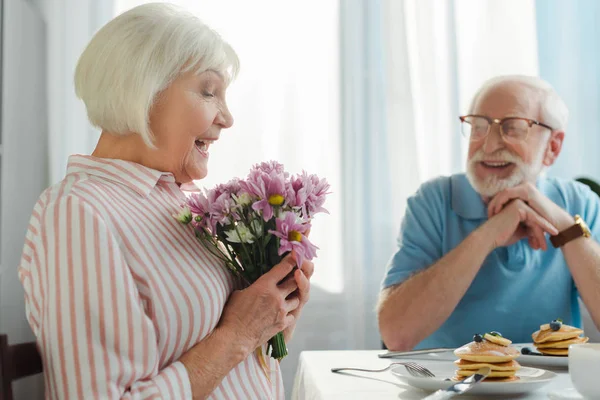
[[277, 344]]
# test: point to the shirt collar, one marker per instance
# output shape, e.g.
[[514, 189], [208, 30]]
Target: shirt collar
[[135, 176], [466, 202]]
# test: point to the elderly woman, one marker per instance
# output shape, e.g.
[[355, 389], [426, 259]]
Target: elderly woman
[[123, 300]]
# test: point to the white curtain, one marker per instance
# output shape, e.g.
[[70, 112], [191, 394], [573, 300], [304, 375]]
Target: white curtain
[[409, 69], [286, 107], [363, 92], [70, 24]]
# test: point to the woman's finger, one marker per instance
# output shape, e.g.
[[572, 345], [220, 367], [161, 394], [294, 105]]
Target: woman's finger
[[308, 268], [288, 286], [292, 304], [303, 286]]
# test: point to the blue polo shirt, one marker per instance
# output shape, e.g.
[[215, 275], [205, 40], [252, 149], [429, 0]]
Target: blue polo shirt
[[517, 288]]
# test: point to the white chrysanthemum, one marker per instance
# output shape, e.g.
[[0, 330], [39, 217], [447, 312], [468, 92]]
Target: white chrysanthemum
[[243, 199], [257, 227], [240, 234], [184, 216]]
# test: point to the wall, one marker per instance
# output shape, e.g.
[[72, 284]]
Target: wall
[[23, 163]]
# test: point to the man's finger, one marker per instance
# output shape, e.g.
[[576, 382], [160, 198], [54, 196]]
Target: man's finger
[[532, 242], [503, 198], [543, 223], [540, 239]]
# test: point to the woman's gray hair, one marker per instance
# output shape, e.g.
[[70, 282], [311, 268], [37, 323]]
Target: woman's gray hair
[[553, 110], [136, 56]]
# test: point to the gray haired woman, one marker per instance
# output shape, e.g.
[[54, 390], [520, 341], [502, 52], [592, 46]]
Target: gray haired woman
[[122, 299]]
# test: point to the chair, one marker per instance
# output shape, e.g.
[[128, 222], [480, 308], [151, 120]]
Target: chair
[[593, 185], [16, 361]]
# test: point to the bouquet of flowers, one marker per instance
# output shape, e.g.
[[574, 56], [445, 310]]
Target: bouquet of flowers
[[251, 224]]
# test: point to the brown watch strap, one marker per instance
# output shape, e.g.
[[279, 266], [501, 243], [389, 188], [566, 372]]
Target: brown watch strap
[[567, 235]]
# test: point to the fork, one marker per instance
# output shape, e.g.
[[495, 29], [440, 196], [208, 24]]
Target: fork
[[416, 370]]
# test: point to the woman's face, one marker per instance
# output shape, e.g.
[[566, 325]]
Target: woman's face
[[186, 119]]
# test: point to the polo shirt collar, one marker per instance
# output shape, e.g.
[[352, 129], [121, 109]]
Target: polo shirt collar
[[466, 202]]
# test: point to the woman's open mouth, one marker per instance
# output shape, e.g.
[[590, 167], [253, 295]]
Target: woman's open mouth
[[202, 147]]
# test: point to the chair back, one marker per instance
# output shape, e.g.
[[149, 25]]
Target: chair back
[[16, 361]]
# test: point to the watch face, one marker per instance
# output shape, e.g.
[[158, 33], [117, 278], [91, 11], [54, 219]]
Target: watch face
[[585, 229]]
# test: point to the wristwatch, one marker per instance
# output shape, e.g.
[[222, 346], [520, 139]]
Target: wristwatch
[[576, 231]]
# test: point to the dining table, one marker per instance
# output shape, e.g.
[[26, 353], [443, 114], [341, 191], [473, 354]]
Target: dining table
[[314, 379]]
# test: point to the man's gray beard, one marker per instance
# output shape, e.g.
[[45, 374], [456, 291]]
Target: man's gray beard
[[492, 185]]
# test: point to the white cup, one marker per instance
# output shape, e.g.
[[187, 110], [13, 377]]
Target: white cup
[[584, 368]]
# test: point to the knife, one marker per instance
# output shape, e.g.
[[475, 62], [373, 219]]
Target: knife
[[460, 387], [394, 354]]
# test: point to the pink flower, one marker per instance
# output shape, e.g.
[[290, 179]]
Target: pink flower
[[268, 167], [270, 190], [231, 187], [308, 193], [198, 204], [291, 236], [212, 208], [222, 211]]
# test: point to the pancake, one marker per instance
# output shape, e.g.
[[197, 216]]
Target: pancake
[[562, 344], [497, 339], [564, 333], [486, 352], [493, 374], [554, 352], [458, 378], [505, 366], [507, 379]]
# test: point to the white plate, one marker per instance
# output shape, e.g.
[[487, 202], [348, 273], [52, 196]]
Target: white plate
[[532, 361], [530, 379], [541, 361]]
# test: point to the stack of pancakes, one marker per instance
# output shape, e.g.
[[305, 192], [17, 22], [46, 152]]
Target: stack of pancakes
[[557, 342], [492, 351]]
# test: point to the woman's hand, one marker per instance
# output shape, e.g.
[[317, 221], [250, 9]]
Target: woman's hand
[[257, 313], [251, 317], [301, 278]]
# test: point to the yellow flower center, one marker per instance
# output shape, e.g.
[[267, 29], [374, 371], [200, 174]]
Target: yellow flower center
[[276, 199], [294, 236]]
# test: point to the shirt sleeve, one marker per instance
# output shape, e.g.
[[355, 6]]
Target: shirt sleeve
[[87, 313], [420, 238]]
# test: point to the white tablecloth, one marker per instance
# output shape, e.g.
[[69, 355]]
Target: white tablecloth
[[315, 381]]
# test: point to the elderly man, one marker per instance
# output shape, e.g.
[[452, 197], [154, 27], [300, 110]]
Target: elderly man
[[473, 253]]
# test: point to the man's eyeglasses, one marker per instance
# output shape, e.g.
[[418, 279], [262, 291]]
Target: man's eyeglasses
[[512, 129]]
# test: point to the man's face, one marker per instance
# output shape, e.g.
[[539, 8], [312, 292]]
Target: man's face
[[495, 164]]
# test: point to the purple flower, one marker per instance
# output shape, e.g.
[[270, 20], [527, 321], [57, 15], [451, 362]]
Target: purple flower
[[268, 188], [308, 193], [212, 208], [231, 187], [268, 167], [222, 211], [198, 204], [291, 236]]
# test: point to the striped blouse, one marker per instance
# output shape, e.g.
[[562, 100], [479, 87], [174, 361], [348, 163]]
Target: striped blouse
[[117, 290]]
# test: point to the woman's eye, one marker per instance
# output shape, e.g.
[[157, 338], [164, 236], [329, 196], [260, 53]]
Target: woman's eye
[[207, 94]]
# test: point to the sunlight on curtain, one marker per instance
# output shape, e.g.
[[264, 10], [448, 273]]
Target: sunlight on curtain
[[493, 38], [285, 101], [437, 54]]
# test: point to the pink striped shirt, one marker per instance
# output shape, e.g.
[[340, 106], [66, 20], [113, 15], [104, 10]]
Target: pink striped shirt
[[117, 290]]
